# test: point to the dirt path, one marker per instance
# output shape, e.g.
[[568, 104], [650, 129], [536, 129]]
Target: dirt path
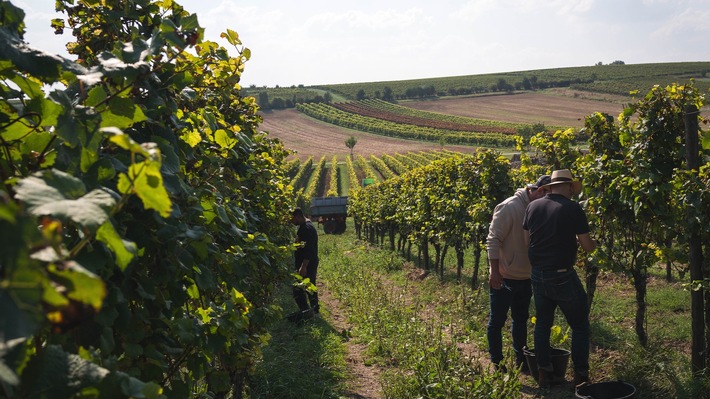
[[365, 379]]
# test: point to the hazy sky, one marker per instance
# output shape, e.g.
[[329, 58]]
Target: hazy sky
[[332, 41]]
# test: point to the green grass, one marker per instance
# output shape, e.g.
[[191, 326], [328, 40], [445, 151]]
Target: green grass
[[303, 360], [345, 182]]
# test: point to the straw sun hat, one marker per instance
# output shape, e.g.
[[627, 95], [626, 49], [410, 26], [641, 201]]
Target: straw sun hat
[[565, 176]]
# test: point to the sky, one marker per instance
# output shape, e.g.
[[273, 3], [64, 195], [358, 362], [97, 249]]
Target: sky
[[313, 42]]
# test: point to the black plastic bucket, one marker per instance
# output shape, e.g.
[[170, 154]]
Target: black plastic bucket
[[606, 390], [560, 360]]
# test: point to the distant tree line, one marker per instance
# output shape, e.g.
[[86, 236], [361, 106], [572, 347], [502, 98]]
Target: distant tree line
[[428, 91], [265, 102], [268, 100]]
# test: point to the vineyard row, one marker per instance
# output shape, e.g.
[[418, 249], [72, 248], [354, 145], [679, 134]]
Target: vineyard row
[[310, 179], [351, 120]]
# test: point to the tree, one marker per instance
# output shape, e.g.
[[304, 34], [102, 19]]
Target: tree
[[264, 101], [388, 96], [360, 95], [350, 143]]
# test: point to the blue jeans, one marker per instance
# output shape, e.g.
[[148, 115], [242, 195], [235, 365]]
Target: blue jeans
[[564, 290], [514, 296]]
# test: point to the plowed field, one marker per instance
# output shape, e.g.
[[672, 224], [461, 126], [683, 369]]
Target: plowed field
[[310, 137], [553, 108]]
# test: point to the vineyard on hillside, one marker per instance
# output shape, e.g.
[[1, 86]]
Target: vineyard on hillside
[[612, 79], [394, 113], [352, 119], [327, 179]]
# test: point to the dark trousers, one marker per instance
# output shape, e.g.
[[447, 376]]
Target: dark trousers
[[514, 296], [304, 299], [564, 290]]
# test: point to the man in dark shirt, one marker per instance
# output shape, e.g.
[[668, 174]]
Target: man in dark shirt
[[555, 224], [306, 260]]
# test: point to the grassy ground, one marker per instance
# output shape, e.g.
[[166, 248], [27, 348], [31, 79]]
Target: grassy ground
[[428, 335]]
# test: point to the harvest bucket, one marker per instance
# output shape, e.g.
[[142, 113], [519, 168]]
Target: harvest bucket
[[560, 360], [606, 390]]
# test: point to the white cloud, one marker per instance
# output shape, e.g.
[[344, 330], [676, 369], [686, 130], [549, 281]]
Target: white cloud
[[688, 20], [325, 41]]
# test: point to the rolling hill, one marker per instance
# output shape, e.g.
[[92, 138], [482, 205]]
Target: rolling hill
[[553, 107]]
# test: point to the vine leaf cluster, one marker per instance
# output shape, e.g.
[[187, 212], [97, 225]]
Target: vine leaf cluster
[[143, 215]]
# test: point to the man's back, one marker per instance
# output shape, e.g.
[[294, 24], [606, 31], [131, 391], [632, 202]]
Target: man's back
[[554, 222]]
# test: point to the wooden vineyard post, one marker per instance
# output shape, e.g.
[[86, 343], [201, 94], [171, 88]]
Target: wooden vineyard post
[[697, 306]]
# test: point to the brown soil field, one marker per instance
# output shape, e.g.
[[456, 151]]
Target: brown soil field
[[311, 137], [557, 107]]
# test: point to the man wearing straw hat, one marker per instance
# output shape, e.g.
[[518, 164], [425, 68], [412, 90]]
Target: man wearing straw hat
[[555, 224]]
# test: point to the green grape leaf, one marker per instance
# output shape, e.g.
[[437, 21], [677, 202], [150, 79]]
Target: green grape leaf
[[29, 60], [223, 139], [62, 374], [208, 211], [148, 150], [48, 110], [19, 129], [124, 250], [30, 87], [83, 286], [96, 95], [89, 157], [134, 51], [53, 192], [189, 22], [122, 113], [144, 179], [232, 37], [54, 373], [13, 18], [192, 138]]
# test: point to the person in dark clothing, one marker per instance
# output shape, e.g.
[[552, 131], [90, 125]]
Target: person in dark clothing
[[555, 224], [306, 260]]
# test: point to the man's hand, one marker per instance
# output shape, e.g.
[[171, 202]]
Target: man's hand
[[495, 280], [303, 270]]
